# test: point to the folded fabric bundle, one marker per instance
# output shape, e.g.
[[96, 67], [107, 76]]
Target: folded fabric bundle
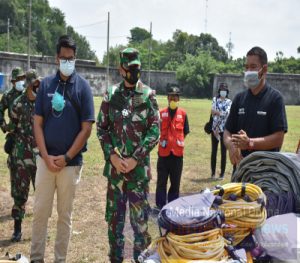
[[190, 214], [274, 172]]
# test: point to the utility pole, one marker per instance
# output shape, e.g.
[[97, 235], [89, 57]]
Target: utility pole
[[107, 52], [229, 46], [8, 25], [29, 36], [149, 54], [205, 20]]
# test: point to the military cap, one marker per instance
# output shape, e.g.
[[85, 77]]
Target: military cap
[[174, 91], [17, 72], [31, 77], [129, 57]]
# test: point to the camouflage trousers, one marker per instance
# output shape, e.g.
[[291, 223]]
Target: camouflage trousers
[[117, 196], [21, 173]]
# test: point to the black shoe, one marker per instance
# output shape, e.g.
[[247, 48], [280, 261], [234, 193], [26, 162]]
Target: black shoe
[[221, 177], [16, 237]]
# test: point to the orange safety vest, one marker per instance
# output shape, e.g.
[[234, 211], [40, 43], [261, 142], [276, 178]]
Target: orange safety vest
[[171, 133]]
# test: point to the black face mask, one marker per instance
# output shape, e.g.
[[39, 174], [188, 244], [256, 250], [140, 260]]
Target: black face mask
[[133, 74]]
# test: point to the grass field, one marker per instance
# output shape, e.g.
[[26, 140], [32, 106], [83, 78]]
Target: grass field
[[89, 240]]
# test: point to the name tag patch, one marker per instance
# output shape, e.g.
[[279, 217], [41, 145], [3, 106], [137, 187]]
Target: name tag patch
[[50, 94], [263, 113], [241, 111], [164, 115]]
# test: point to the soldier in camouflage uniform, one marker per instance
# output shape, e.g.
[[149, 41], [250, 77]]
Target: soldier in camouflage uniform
[[128, 129], [17, 80], [24, 150], [6, 103]]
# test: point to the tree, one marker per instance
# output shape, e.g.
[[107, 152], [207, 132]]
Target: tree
[[210, 44], [114, 56], [47, 25], [196, 72], [138, 35]]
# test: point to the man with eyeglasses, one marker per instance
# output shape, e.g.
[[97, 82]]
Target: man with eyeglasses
[[24, 149], [128, 129], [64, 114], [257, 119]]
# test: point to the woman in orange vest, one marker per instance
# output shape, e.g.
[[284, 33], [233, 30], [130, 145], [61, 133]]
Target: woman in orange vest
[[174, 128]]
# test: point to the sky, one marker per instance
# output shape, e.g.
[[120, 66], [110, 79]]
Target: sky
[[271, 24]]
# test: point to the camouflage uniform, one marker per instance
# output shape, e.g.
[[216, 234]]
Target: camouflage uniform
[[6, 103], [24, 150], [128, 120]]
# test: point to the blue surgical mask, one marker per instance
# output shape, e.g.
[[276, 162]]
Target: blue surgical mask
[[223, 93], [251, 79], [20, 85], [58, 102], [66, 67]]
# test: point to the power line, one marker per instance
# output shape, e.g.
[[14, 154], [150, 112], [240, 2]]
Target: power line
[[93, 24], [101, 37]]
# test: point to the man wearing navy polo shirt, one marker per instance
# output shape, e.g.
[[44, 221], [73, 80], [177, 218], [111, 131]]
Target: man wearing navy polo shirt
[[257, 118], [64, 114]]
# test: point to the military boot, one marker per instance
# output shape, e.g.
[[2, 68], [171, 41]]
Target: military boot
[[16, 236]]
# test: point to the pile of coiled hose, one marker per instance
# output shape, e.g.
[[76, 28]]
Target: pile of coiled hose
[[209, 245], [244, 208], [277, 174]]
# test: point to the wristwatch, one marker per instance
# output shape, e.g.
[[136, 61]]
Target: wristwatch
[[251, 143], [67, 158]]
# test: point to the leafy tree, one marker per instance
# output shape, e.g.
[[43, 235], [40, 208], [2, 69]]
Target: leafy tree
[[47, 25], [114, 56], [138, 35], [210, 44], [285, 65], [196, 72]]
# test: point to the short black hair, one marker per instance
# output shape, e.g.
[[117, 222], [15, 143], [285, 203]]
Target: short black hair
[[258, 51], [223, 86], [65, 41]]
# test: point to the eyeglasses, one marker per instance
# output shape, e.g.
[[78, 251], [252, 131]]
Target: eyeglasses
[[65, 60]]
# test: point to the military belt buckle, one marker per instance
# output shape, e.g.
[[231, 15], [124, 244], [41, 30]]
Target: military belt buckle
[[125, 113]]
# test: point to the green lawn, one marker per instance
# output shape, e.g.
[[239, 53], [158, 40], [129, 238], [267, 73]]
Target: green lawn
[[89, 239], [197, 150]]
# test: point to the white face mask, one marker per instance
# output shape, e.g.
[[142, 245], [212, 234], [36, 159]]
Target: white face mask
[[251, 79], [66, 67], [20, 85], [223, 93]]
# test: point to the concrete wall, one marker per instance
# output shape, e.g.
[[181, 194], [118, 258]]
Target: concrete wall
[[96, 76], [287, 84]]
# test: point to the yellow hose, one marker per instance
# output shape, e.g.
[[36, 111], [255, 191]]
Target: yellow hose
[[209, 245], [241, 217]]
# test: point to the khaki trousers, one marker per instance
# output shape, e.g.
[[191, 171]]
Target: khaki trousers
[[47, 182]]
